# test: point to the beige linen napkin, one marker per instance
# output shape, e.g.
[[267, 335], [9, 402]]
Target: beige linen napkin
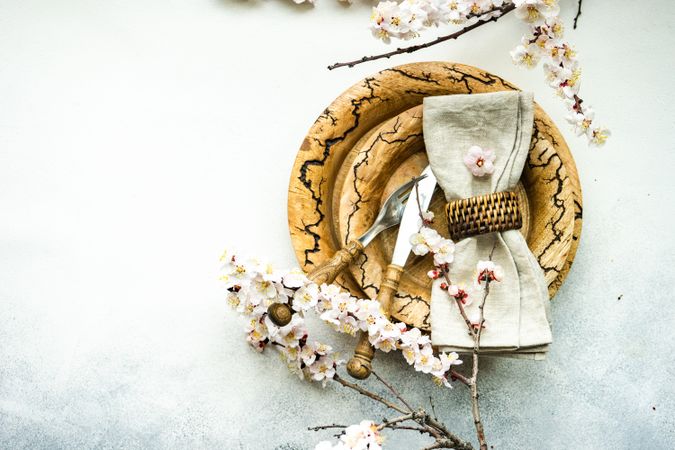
[[516, 311]]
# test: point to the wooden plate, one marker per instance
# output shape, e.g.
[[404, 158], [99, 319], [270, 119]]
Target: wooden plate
[[369, 141]]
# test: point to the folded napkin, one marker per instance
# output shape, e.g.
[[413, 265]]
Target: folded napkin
[[516, 311]]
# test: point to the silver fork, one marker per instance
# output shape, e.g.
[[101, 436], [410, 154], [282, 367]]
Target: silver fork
[[390, 214]]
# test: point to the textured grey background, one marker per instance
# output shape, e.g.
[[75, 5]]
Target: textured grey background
[[139, 138]]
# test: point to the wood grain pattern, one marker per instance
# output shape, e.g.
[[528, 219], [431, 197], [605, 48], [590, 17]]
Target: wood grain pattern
[[369, 141], [327, 271]]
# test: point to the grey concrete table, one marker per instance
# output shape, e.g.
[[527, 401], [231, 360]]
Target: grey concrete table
[[132, 153]]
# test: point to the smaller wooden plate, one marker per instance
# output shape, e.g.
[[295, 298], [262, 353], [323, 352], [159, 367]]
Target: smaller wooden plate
[[389, 157]]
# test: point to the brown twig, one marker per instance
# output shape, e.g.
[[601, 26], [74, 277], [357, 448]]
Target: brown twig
[[444, 438], [369, 394], [458, 376], [408, 427], [576, 17], [393, 391], [441, 443], [456, 442], [460, 305], [387, 422], [507, 8], [326, 427], [475, 411], [433, 408]]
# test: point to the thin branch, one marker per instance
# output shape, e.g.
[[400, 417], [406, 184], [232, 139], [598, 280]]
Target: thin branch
[[433, 408], [460, 305], [441, 443], [385, 423], [475, 411], [369, 394], [458, 376], [507, 8], [408, 427], [326, 427], [393, 391], [578, 13], [457, 443]]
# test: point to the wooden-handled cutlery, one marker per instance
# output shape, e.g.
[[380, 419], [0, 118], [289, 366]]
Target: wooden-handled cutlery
[[390, 215], [359, 366]]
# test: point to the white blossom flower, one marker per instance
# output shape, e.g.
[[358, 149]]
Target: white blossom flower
[[444, 252], [480, 161], [323, 368], [381, 17], [306, 297], [442, 366], [291, 334], [264, 289], [461, 294], [368, 313], [254, 305], [387, 335], [291, 356], [237, 273], [536, 11], [257, 334], [364, 436], [424, 240], [599, 135], [269, 273], [410, 343], [439, 11], [565, 80], [553, 28], [414, 337], [527, 55], [450, 359], [340, 313], [294, 278], [474, 318], [326, 294], [233, 300], [308, 354], [454, 11], [410, 353], [427, 217], [443, 363], [434, 274], [414, 16], [581, 120], [425, 359], [488, 270]]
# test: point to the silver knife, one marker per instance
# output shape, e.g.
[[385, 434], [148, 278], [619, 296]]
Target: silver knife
[[359, 366]]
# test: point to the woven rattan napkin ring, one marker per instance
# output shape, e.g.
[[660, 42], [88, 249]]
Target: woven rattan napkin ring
[[483, 214]]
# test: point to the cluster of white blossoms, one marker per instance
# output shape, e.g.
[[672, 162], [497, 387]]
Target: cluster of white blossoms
[[427, 240], [561, 66], [364, 436], [252, 287], [407, 19]]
